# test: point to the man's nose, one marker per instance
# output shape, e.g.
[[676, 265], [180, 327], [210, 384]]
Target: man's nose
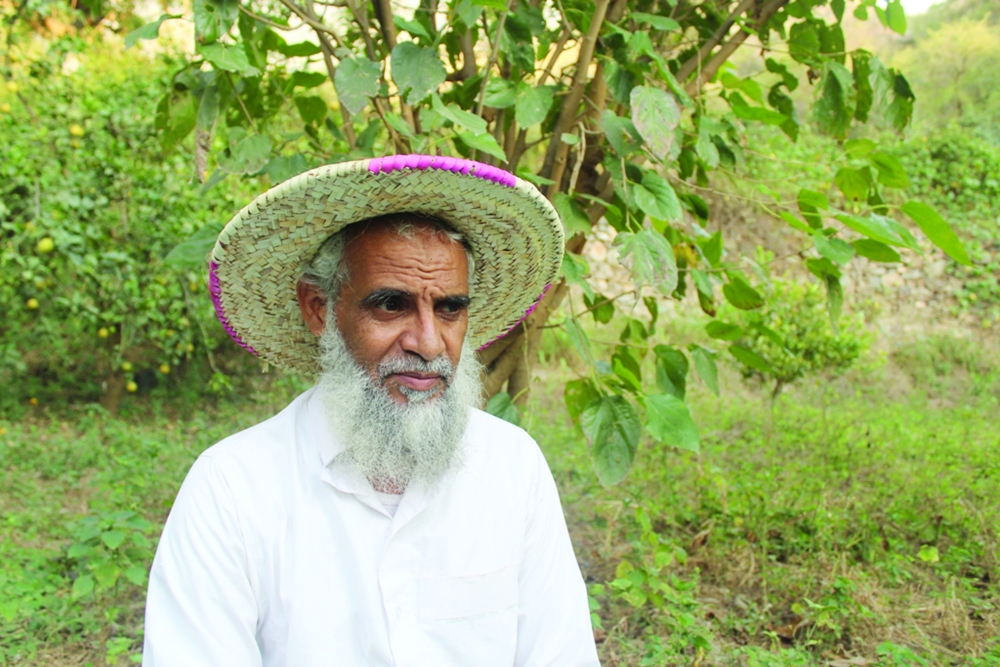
[[424, 336]]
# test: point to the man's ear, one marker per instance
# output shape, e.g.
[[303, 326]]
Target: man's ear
[[312, 303]]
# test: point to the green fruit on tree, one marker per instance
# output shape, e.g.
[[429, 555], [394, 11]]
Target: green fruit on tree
[[32, 303], [46, 245], [127, 367], [131, 387], [165, 369], [102, 333]]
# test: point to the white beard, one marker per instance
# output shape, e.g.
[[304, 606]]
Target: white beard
[[394, 443]]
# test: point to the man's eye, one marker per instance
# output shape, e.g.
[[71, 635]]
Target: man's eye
[[391, 304]]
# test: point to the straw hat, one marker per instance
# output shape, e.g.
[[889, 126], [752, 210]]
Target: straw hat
[[514, 233]]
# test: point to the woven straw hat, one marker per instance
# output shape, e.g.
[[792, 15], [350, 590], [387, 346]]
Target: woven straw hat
[[515, 235]]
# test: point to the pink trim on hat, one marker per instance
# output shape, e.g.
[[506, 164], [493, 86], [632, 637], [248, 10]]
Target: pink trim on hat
[[384, 165], [215, 289], [527, 314]]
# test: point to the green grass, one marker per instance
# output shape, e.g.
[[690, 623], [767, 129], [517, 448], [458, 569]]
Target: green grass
[[851, 518]]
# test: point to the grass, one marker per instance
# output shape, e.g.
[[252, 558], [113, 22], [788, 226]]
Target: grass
[[853, 519]]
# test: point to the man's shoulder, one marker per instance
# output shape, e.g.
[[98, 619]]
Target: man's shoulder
[[263, 445]]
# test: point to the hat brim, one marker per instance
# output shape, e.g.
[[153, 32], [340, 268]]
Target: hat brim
[[515, 236]]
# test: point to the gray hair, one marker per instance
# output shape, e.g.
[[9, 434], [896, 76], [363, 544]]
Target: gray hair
[[328, 270]]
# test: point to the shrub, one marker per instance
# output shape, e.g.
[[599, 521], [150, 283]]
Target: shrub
[[89, 206], [792, 336]]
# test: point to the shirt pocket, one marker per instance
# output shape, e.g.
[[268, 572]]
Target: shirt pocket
[[444, 598]]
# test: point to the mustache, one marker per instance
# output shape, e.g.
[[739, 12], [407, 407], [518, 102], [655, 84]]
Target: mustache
[[416, 364]]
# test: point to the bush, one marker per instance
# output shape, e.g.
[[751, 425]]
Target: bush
[[89, 207], [792, 336]]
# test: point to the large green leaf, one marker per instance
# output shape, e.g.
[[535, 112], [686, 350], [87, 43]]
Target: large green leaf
[[876, 227], [417, 71], [834, 249], [937, 230], [356, 82], [835, 107], [650, 258], [192, 252], [621, 133], [458, 116], [214, 18], [578, 394], [853, 183], [657, 22], [482, 142], [751, 359], [502, 405], [655, 114], [311, 108], [895, 17], [574, 220], [704, 363], [533, 104], [148, 31], [247, 155], [671, 370], [613, 429], [669, 421], [741, 294], [890, 171], [723, 330], [228, 58], [500, 93], [875, 251], [664, 205]]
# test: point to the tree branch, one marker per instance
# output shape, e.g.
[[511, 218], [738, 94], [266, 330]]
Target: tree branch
[[688, 68], [555, 157], [383, 14]]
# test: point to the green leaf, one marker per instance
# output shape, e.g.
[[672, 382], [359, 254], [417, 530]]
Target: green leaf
[[574, 219], [751, 359], [625, 365], [613, 429], [458, 116], [136, 574], [500, 93], [712, 248], [498, 5], [741, 294], [835, 107], [579, 340], [214, 18], [890, 171], [578, 394], [192, 252], [311, 108], [650, 258], [413, 27], [656, 22], [834, 249], [665, 205], [859, 148], [815, 199], [621, 133], [208, 108], [853, 183], [299, 50], [84, 585], [655, 114], [671, 370], [356, 82], [575, 268], [247, 156], [482, 142], [417, 71], [759, 114], [790, 218], [502, 405], [875, 251], [669, 421], [937, 230], [723, 330], [533, 104], [148, 31], [228, 59], [601, 308], [803, 42], [113, 538], [834, 300], [307, 79], [895, 17], [704, 363], [875, 227]]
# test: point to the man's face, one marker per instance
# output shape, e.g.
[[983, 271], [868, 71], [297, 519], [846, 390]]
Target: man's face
[[404, 298]]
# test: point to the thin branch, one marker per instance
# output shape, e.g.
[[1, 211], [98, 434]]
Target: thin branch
[[361, 17], [494, 54], [312, 22], [555, 159], [239, 99], [687, 69], [266, 21]]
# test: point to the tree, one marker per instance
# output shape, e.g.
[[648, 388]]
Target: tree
[[616, 109]]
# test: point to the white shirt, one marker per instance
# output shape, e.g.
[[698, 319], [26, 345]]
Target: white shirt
[[275, 554]]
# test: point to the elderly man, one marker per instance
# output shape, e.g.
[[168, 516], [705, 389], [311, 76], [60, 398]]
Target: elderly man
[[380, 519]]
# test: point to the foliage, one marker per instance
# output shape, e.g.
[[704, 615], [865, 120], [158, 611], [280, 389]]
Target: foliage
[[792, 336], [89, 207], [633, 144], [836, 499]]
